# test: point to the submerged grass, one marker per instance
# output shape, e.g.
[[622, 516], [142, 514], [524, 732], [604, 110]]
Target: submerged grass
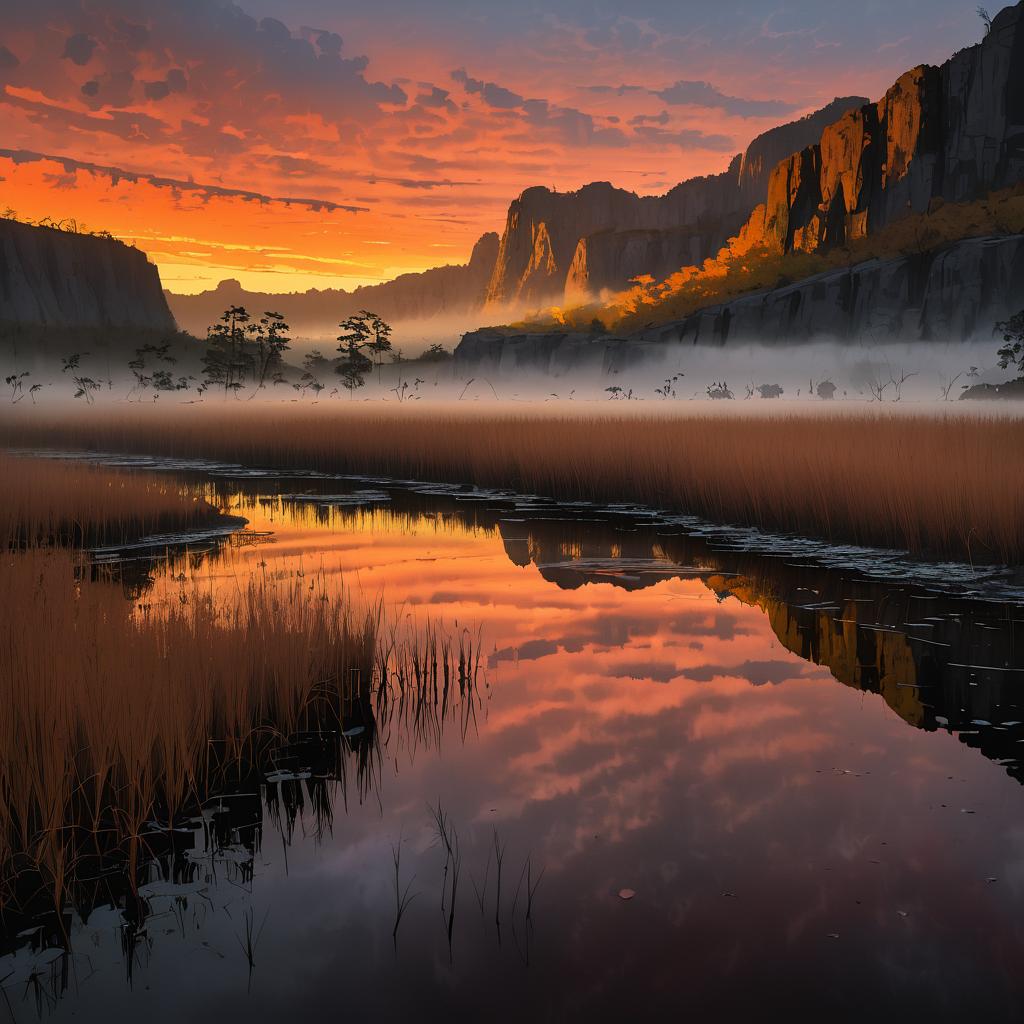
[[940, 484]]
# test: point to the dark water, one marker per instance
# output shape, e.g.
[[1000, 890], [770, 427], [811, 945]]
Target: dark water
[[811, 782]]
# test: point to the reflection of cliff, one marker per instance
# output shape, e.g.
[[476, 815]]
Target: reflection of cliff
[[876, 660], [936, 661]]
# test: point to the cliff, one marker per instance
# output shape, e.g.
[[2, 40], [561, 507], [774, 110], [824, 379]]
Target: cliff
[[563, 246], [58, 279], [449, 290], [954, 133], [950, 294]]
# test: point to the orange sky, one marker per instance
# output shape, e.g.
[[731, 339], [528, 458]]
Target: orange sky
[[357, 168]]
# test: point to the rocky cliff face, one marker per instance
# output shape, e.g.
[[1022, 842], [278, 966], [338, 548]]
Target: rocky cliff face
[[563, 246], [954, 132], [949, 295], [57, 279], [438, 292]]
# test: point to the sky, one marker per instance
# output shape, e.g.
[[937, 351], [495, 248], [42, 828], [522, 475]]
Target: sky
[[296, 144]]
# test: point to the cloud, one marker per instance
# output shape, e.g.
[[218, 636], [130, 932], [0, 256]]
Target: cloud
[[436, 99], [118, 174], [174, 82], [615, 90], [79, 48], [567, 125], [686, 138], [571, 127], [704, 94], [7, 60], [661, 118], [701, 94], [491, 93]]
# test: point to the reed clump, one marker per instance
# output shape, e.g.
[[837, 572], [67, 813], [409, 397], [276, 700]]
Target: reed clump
[[947, 484], [112, 714]]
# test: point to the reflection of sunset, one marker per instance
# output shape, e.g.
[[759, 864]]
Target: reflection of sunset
[[573, 673]]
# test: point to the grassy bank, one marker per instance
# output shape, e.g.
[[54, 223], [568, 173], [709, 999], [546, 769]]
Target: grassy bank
[[944, 484], [49, 502]]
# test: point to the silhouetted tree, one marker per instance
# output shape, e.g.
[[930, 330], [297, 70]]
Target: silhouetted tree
[[371, 332], [270, 333], [316, 362], [353, 365], [226, 359], [1012, 351], [160, 377], [436, 354]]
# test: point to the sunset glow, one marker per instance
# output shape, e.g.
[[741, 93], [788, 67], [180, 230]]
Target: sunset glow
[[317, 144]]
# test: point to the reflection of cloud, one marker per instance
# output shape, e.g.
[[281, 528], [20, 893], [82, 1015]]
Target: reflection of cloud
[[756, 672], [531, 650]]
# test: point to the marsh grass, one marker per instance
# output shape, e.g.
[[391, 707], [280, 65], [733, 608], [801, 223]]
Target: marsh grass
[[947, 484], [118, 720], [71, 503]]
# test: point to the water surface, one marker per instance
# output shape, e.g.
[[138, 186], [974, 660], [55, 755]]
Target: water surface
[[809, 781]]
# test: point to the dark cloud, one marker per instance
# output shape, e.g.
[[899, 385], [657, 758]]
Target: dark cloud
[[130, 35], [110, 90], [570, 126], [704, 94], [118, 174], [79, 48], [329, 44], [701, 94], [7, 59], [617, 90], [436, 99], [251, 76], [160, 90], [686, 138], [129, 126], [491, 93], [661, 118]]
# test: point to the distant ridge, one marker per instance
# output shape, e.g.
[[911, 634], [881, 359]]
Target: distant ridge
[[443, 291]]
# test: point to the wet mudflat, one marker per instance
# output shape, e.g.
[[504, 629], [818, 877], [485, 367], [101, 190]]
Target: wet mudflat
[[691, 778]]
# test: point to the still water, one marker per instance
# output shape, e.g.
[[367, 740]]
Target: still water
[[718, 784]]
